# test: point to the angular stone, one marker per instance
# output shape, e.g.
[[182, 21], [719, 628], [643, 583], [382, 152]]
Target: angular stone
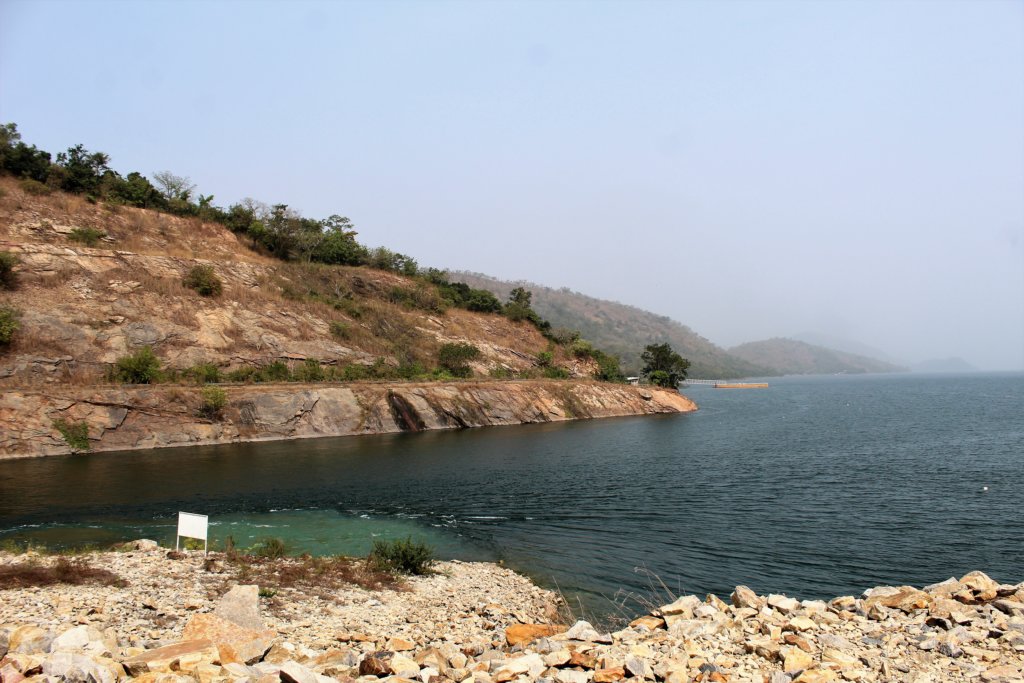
[[1011, 607], [782, 603], [523, 634], [610, 675], [801, 624], [183, 656], [531, 664], [816, 676], [8, 674], [583, 660], [649, 622], [795, 659], [374, 666], [404, 666], [557, 658], [29, 640], [293, 672], [582, 630], [399, 645], [234, 642], [837, 659], [906, 598], [744, 597], [980, 582], [1006, 672], [638, 667], [72, 666], [684, 606], [570, 676], [241, 605]]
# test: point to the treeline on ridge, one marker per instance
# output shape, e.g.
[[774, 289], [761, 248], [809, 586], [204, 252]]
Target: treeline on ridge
[[276, 230]]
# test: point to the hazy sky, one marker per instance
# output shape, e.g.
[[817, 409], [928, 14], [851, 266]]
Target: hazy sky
[[751, 169]]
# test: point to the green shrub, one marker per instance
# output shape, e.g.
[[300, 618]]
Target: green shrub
[[339, 330], [354, 372], [76, 434], [213, 401], [204, 373], [90, 237], [405, 557], [275, 372], [204, 280], [582, 349], [141, 367], [245, 373], [8, 324], [8, 278], [545, 358], [555, 372], [310, 371], [30, 186], [454, 358], [270, 548]]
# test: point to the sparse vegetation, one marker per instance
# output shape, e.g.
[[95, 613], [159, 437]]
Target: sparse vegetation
[[72, 571], [204, 373], [213, 400], [8, 277], [339, 330], [76, 434], [9, 324], [454, 358], [270, 548], [203, 279], [34, 187], [141, 367], [90, 237], [402, 556]]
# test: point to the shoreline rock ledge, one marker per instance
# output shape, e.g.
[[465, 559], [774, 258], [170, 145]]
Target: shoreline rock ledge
[[183, 618]]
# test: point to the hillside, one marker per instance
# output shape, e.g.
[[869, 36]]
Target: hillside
[[791, 357], [83, 307], [623, 330]]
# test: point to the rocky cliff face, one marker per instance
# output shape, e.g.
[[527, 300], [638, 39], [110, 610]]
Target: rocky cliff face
[[133, 417]]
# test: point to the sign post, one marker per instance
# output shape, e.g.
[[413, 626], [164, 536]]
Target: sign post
[[192, 526]]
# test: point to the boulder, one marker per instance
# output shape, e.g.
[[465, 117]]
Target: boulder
[[906, 598], [795, 659], [8, 674], [241, 605], [979, 582], [180, 656], [29, 639], [400, 645], [234, 642], [744, 597], [74, 667], [374, 666], [76, 638], [530, 664], [570, 676], [649, 622], [638, 667]]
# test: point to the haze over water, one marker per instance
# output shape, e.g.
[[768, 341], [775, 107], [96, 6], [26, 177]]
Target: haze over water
[[816, 487]]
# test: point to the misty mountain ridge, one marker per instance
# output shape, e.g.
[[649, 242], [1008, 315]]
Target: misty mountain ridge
[[793, 357]]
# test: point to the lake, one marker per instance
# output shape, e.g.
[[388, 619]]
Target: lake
[[816, 487]]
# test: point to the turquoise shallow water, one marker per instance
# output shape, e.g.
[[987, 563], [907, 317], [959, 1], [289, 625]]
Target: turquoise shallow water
[[816, 487]]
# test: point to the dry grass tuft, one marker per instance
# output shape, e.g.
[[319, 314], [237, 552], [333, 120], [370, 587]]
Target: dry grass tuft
[[71, 571], [313, 575]]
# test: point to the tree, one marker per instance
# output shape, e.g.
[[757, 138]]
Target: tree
[[174, 187], [663, 366], [83, 170]]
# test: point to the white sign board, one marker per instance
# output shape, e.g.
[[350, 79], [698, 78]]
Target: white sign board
[[192, 526]]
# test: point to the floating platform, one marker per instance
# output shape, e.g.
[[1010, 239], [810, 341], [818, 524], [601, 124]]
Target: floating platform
[[741, 385]]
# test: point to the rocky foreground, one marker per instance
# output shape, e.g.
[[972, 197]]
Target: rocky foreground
[[178, 618]]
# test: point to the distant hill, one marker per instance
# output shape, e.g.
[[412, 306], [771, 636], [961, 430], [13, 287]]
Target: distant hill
[[792, 357], [845, 345], [621, 329], [943, 365]]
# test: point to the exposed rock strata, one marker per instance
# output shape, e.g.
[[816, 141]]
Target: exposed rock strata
[[133, 417], [480, 623]]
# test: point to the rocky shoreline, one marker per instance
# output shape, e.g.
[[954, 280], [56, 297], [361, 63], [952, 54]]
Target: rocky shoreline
[[182, 617], [138, 417]]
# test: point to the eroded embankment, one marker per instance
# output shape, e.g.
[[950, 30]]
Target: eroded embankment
[[135, 417]]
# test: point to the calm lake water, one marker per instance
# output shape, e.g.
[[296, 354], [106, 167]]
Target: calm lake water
[[815, 487]]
